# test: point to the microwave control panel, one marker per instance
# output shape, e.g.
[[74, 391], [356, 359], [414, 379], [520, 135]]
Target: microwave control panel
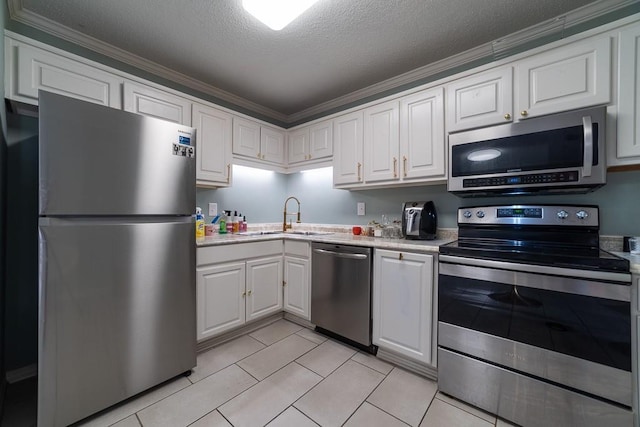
[[536, 178]]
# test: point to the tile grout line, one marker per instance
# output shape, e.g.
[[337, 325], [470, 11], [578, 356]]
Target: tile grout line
[[324, 378], [429, 406], [464, 410]]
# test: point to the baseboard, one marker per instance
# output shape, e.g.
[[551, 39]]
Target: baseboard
[[298, 320], [410, 365], [16, 375], [242, 330]]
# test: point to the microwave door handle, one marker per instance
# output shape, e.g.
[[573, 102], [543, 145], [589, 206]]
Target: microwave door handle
[[588, 145]]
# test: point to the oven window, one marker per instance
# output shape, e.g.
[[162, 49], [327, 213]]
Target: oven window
[[589, 328], [554, 149]]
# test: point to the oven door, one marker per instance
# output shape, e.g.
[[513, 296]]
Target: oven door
[[564, 150], [541, 321]]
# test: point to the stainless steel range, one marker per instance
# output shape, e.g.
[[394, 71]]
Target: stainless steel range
[[534, 319]]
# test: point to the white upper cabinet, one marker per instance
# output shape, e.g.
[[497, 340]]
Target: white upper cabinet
[[156, 103], [299, 145], [36, 69], [311, 143], [574, 76], [382, 142], [422, 140], [246, 138], [321, 140], [480, 100], [213, 146], [628, 146], [271, 145], [257, 142], [348, 150]]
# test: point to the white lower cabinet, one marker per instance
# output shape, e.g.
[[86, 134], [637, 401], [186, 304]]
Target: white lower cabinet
[[297, 279], [264, 287], [236, 284], [403, 304]]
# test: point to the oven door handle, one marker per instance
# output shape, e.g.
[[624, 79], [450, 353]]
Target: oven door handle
[[570, 285], [539, 269], [588, 145]]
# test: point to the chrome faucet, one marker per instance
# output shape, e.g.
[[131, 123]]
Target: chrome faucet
[[284, 220]]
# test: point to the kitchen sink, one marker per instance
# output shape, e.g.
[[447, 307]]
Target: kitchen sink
[[309, 233], [258, 233]]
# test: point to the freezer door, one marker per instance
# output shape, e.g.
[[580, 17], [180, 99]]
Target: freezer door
[[117, 312], [96, 160]]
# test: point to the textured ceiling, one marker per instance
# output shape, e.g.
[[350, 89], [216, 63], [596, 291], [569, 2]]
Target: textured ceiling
[[334, 48]]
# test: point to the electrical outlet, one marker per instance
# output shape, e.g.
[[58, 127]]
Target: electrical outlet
[[213, 209], [361, 208]]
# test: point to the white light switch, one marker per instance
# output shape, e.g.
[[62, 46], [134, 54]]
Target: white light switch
[[213, 209], [360, 208]]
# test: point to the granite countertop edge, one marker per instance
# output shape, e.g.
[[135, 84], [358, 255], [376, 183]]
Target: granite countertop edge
[[337, 238]]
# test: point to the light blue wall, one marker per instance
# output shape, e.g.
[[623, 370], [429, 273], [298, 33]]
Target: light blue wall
[[262, 201]]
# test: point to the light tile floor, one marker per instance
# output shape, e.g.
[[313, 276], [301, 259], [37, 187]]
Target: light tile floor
[[285, 375]]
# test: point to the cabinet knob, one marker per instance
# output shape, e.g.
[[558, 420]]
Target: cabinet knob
[[258, 155], [284, 283], [524, 113], [228, 172], [359, 166], [507, 116], [395, 163], [400, 256], [244, 294], [404, 164], [309, 156], [249, 293]]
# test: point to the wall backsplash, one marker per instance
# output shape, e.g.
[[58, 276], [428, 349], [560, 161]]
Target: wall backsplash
[[260, 196]]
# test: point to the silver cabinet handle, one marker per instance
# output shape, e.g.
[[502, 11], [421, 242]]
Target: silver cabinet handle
[[340, 254], [588, 146]]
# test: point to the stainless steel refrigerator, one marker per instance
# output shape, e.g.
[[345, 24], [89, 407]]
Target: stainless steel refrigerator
[[116, 256]]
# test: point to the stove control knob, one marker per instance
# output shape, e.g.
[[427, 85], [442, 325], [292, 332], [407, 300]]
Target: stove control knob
[[467, 214], [563, 214], [480, 214], [582, 214]]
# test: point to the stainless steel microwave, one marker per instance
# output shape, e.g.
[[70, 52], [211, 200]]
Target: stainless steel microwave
[[560, 153]]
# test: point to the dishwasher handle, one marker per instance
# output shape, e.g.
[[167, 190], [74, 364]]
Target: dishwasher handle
[[341, 254]]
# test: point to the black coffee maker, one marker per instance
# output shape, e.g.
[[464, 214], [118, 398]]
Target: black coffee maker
[[419, 220]]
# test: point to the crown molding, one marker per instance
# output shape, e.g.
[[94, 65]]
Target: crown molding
[[25, 16], [494, 50]]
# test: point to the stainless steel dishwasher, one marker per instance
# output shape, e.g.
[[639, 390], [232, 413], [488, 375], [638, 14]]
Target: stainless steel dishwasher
[[341, 292]]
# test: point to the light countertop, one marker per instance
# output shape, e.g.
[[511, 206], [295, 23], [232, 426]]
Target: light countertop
[[337, 238], [634, 261]]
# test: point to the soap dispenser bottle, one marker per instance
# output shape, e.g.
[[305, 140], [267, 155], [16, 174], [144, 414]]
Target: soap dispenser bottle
[[223, 223], [199, 224]]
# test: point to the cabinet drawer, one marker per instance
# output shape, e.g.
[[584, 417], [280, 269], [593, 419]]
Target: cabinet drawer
[[296, 248], [239, 251]]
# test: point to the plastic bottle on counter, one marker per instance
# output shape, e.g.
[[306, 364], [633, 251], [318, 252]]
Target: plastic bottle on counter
[[229, 222], [223, 223], [235, 225], [199, 224], [244, 223]]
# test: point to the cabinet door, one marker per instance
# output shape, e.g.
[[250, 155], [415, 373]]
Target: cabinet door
[[213, 145], [422, 142], [566, 78], [246, 138], [38, 69], [629, 94], [402, 303], [321, 140], [299, 145], [296, 286], [220, 299], [348, 153], [264, 287], [271, 145], [152, 102], [480, 100], [381, 142]]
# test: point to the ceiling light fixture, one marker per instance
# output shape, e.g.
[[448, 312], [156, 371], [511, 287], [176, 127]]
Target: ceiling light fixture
[[277, 14]]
